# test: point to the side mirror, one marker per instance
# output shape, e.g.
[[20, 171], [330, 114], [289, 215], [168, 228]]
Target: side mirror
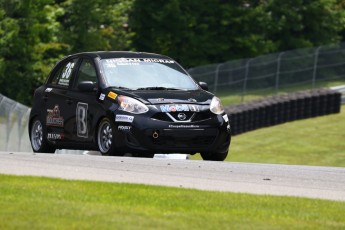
[[86, 86], [203, 85]]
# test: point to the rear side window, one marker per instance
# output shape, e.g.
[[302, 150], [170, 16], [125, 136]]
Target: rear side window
[[63, 75]]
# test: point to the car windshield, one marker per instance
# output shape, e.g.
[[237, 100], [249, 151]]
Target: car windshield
[[146, 74]]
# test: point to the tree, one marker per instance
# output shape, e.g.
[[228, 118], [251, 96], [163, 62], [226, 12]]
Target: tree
[[305, 23], [203, 32], [200, 32], [96, 25], [29, 45], [34, 34]]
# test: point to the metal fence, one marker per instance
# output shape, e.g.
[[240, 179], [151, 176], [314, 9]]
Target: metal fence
[[278, 72], [13, 126]]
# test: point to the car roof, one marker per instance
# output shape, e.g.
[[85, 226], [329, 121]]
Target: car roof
[[119, 54]]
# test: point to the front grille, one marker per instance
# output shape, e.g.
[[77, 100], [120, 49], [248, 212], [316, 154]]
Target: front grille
[[187, 116]]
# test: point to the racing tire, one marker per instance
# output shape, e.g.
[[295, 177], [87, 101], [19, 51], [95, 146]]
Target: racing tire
[[106, 138], [38, 138], [215, 156]]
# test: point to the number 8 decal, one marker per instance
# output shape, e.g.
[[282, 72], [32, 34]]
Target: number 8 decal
[[82, 119]]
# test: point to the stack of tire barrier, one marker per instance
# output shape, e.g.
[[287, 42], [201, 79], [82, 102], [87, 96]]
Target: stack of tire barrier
[[279, 109]]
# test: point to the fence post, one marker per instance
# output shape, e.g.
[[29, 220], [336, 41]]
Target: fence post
[[245, 79], [278, 71], [216, 78], [316, 57]]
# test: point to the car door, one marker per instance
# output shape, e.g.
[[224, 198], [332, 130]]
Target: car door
[[85, 103], [56, 107]]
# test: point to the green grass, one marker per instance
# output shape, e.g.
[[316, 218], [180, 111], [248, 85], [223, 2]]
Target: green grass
[[315, 141], [43, 203]]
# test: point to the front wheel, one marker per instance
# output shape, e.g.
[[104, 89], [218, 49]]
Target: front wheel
[[106, 138], [215, 156], [38, 140]]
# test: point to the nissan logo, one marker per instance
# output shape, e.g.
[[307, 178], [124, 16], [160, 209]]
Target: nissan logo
[[181, 116]]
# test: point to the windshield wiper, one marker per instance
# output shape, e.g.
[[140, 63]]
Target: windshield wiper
[[156, 88]]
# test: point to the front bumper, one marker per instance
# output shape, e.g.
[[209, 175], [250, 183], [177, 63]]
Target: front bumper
[[145, 134]]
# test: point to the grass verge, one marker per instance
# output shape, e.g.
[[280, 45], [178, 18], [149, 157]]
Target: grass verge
[[44, 203], [316, 141]]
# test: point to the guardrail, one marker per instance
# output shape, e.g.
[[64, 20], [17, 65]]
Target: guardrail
[[14, 121], [13, 125]]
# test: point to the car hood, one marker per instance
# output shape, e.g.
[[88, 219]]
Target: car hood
[[172, 96]]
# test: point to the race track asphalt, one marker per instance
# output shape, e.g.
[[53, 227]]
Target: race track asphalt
[[272, 179]]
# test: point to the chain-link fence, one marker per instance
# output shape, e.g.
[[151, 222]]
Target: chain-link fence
[[13, 126], [278, 72]]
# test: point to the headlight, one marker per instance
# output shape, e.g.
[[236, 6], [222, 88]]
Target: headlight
[[131, 105], [216, 106]]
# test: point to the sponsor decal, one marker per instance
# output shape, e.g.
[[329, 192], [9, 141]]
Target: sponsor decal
[[225, 117], [184, 126], [81, 117], [112, 95], [55, 136], [193, 108], [124, 128], [136, 60], [114, 62], [156, 60], [66, 74], [48, 90], [179, 108], [54, 118], [102, 96], [124, 118]]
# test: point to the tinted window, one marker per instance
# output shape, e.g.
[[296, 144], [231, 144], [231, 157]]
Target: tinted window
[[87, 71], [63, 75]]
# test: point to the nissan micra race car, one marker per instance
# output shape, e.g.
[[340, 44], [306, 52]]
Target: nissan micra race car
[[127, 102]]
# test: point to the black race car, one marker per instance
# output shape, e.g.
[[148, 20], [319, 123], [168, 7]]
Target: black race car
[[127, 102]]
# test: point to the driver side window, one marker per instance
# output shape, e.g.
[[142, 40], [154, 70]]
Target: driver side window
[[87, 72]]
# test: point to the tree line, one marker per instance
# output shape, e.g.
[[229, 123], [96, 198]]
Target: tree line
[[34, 34]]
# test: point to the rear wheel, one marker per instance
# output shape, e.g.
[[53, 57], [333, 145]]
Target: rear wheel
[[106, 138], [38, 138], [215, 156]]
